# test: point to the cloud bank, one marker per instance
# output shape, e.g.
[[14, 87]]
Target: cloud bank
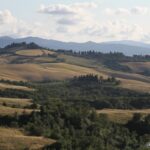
[[78, 22]]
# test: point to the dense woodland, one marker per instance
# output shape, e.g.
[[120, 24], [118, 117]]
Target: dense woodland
[[67, 114]]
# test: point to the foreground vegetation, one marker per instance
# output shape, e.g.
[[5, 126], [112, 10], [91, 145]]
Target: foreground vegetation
[[68, 114]]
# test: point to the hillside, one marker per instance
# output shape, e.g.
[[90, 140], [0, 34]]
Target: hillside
[[15, 139], [22, 62], [126, 47]]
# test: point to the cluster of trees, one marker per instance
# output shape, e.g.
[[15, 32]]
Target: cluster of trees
[[83, 90], [23, 45], [90, 78], [93, 91], [15, 93]]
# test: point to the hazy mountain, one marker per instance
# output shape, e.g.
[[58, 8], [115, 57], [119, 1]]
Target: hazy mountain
[[126, 47]]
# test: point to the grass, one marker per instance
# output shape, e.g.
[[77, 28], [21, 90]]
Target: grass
[[21, 103], [135, 85], [10, 86], [138, 66], [79, 61], [15, 139], [35, 65], [9, 111], [122, 116], [43, 71], [33, 52]]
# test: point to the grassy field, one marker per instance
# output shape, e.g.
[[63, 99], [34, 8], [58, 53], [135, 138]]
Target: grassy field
[[9, 111], [36, 65], [21, 103], [43, 71], [122, 116], [10, 86], [33, 52], [135, 85], [138, 66], [79, 61], [15, 139]]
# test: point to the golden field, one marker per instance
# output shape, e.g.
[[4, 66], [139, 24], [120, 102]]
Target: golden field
[[122, 116], [15, 139], [36, 65], [21, 103]]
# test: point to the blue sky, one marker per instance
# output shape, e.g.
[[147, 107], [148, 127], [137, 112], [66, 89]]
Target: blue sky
[[76, 20]]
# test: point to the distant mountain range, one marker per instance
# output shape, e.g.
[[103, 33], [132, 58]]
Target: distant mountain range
[[126, 47]]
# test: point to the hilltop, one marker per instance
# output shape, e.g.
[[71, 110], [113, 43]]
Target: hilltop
[[126, 47]]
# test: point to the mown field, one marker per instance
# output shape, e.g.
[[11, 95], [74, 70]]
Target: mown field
[[138, 66], [15, 139], [122, 116], [15, 102], [10, 86]]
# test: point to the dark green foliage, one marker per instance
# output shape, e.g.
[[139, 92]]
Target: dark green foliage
[[91, 90], [22, 45], [13, 93], [67, 115], [78, 128]]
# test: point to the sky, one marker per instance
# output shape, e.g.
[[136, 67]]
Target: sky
[[76, 20]]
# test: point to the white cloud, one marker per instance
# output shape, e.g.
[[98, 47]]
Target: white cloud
[[59, 9], [72, 14], [10, 25], [68, 21], [139, 10], [79, 25], [124, 11], [6, 17], [62, 9], [115, 30]]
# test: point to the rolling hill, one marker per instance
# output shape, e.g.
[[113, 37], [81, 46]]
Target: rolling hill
[[39, 64], [26, 64], [126, 47]]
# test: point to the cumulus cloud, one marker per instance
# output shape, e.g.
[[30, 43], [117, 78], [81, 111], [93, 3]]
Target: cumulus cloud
[[68, 14], [139, 10], [6, 17], [10, 25], [59, 9], [124, 11], [114, 29], [62, 9], [76, 22], [68, 21]]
